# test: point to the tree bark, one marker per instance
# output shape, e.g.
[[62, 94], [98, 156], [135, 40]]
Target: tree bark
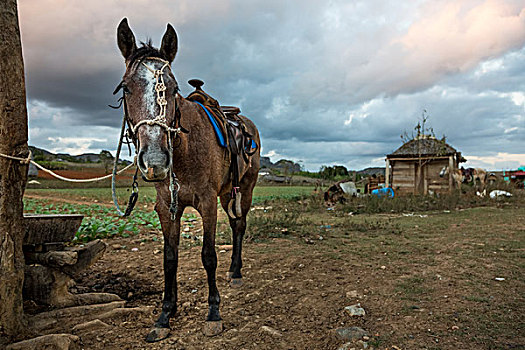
[[13, 175]]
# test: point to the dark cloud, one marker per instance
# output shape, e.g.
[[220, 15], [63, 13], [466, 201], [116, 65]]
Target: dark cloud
[[326, 83]]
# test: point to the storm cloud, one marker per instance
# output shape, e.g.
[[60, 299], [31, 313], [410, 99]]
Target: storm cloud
[[332, 82]]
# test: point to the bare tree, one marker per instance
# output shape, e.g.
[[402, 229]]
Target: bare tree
[[13, 174]]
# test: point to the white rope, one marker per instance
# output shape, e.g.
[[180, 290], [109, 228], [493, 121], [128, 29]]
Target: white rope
[[28, 160]]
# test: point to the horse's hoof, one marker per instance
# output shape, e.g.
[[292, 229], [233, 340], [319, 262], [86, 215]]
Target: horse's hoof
[[157, 334], [212, 328], [236, 282]]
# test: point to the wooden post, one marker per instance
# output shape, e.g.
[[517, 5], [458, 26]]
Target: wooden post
[[451, 168], [387, 173], [13, 175]]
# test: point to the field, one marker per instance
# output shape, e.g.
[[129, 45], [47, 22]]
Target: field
[[430, 273]]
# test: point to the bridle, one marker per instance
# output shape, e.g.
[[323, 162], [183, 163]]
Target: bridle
[[132, 137]]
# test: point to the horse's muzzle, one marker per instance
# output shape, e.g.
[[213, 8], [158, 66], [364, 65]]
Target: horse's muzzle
[[154, 166]]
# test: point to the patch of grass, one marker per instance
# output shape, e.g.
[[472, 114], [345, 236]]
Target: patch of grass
[[477, 299], [412, 288]]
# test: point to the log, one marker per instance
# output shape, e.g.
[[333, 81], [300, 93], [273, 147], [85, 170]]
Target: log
[[53, 258], [50, 341], [13, 174], [87, 256], [62, 318]]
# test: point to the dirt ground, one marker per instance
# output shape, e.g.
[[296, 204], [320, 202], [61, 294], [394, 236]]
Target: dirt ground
[[426, 281]]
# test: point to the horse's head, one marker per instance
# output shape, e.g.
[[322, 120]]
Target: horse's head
[[443, 171], [150, 89]]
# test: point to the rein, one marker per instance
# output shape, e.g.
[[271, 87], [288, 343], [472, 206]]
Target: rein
[[161, 121]]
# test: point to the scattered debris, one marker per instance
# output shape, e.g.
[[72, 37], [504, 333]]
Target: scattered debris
[[499, 279], [271, 331], [355, 310], [416, 215], [499, 193], [135, 249]]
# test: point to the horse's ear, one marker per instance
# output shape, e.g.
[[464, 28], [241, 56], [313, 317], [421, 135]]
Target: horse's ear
[[125, 39], [168, 48]]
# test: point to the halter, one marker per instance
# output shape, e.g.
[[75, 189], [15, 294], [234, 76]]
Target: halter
[[161, 121]]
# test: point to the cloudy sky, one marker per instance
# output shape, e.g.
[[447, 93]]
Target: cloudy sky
[[327, 82]]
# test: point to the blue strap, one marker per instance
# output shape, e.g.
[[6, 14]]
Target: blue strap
[[218, 131]]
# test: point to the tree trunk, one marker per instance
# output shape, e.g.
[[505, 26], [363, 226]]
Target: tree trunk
[[13, 175]]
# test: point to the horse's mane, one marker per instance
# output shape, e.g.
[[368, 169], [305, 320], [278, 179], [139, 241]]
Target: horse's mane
[[146, 50]]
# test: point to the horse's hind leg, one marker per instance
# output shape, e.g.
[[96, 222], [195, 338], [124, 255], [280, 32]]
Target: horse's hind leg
[[238, 226]]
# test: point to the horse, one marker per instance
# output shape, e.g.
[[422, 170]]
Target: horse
[[457, 175], [473, 174], [177, 148]]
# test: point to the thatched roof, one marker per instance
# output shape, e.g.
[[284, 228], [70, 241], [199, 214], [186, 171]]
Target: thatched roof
[[423, 146]]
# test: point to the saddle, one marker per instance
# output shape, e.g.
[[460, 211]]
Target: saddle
[[232, 134]]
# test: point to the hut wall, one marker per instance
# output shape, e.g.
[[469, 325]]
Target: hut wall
[[404, 174], [435, 183]]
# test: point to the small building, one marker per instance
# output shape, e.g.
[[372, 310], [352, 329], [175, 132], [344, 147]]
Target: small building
[[414, 167]]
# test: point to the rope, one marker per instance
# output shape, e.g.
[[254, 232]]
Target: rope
[[28, 160]]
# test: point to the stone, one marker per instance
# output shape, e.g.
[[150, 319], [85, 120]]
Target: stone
[[271, 331], [48, 342], [355, 310], [351, 333], [351, 294]]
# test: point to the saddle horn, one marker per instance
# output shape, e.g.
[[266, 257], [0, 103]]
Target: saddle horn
[[196, 83]]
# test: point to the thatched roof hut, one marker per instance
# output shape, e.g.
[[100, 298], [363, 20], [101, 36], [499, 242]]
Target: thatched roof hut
[[414, 167]]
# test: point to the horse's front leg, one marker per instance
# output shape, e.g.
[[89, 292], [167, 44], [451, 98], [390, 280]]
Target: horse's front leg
[[208, 212], [171, 232]]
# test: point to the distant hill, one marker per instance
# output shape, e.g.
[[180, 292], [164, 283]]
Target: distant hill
[[283, 165], [372, 171], [42, 154]]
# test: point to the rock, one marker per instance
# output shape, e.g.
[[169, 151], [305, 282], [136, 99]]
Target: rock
[[351, 294], [455, 328], [156, 251], [226, 247], [90, 326], [351, 333], [116, 246], [271, 331], [48, 342], [355, 310]]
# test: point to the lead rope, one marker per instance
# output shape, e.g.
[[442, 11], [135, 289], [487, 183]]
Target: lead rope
[[135, 187]]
